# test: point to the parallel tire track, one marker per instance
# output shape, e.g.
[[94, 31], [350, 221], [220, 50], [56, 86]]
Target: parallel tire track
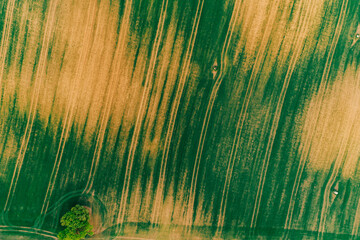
[[4, 45], [39, 78], [68, 120], [307, 144], [117, 63], [340, 157], [213, 95], [254, 75], [140, 116], [174, 111], [28, 230], [302, 29]]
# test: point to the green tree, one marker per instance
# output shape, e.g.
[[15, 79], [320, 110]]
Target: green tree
[[77, 224]]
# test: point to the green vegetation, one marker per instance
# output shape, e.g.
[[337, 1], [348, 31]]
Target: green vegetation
[[77, 224]]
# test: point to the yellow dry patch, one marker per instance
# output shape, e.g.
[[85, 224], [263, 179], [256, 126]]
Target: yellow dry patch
[[333, 128], [258, 16], [9, 150], [159, 104], [29, 52]]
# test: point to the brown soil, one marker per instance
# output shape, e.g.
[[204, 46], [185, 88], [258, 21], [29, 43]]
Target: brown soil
[[95, 218]]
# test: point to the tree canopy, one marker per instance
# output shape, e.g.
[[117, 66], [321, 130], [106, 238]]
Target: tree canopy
[[76, 223]]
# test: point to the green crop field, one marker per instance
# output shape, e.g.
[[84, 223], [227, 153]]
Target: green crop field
[[181, 119]]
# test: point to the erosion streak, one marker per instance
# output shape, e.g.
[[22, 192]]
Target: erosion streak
[[74, 92], [174, 111], [303, 27], [140, 115], [118, 62], [313, 124], [235, 146], [33, 105], [4, 45]]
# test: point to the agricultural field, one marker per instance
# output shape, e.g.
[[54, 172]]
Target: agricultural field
[[172, 119]]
